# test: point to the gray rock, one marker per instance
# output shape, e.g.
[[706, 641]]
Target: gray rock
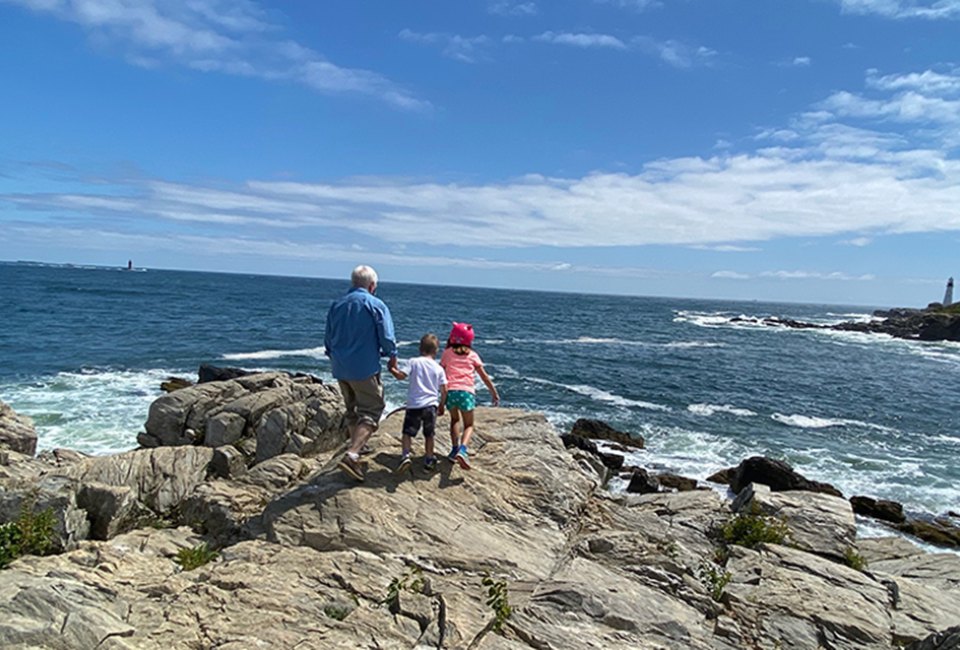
[[57, 494], [16, 431], [228, 462], [224, 429], [111, 510], [819, 523]]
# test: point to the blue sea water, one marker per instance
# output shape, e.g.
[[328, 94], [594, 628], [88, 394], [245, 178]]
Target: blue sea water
[[83, 352]]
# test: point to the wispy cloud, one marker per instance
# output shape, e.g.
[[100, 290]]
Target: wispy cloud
[[581, 40], [928, 9], [467, 49], [233, 37], [726, 248], [836, 174], [676, 53], [638, 5], [730, 275], [800, 62], [859, 242], [512, 8], [816, 275]]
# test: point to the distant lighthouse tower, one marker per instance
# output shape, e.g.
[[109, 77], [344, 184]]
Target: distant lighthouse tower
[[948, 296]]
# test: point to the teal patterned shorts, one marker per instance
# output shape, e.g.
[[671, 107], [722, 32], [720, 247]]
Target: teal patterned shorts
[[461, 400]]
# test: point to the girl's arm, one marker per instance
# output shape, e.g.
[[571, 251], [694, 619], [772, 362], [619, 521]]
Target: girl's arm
[[485, 378]]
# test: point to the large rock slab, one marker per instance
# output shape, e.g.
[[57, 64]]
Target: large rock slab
[[776, 474], [819, 523]]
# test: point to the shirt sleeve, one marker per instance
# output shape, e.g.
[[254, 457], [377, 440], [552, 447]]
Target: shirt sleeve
[[388, 340], [475, 358], [327, 332]]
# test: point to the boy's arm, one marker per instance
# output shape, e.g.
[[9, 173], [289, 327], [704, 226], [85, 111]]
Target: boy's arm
[[397, 373], [443, 398], [489, 384]]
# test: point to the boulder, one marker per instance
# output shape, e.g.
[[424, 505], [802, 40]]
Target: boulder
[[174, 383], [722, 476], [16, 431], [610, 461], [776, 474], [599, 430], [642, 482], [262, 415], [676, 482], [878, 509], [208, 373], [818, 523], [940, 531], [57, 494]]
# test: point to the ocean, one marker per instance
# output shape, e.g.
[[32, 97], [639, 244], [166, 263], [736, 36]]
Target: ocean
[[83, 352]]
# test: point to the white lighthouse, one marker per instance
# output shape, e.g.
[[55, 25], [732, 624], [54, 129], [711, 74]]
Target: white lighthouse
[[948, 296]]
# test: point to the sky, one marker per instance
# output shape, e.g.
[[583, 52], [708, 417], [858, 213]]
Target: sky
[[793, 150]]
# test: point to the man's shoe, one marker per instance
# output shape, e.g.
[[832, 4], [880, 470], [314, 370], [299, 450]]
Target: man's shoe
[[366, 450], [352, 468], [430, 463], [463, 459], [405, 464]]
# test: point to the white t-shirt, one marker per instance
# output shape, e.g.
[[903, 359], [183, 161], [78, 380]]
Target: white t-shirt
[[426, 377]]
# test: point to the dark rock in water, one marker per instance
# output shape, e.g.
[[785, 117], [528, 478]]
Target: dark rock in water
[[602, 431], [611, 461], [776, 474], [937, 531], [214, 373], [642, 482], [175, 383], [723, 476], [931, 324], [948, 639], [878, 509], [677, 482]]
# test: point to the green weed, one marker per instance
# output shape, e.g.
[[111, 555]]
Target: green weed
[[498, 599], [411, 580], [714, 578], [854, 560], [31, 533], [191, 558], [751, 530]]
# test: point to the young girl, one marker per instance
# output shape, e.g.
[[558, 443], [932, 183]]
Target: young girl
[[461, 363]]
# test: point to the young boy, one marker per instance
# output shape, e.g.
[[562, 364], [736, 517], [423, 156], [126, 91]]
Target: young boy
[[425, 398]]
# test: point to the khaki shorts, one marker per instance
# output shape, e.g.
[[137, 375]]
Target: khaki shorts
[[364, 400]]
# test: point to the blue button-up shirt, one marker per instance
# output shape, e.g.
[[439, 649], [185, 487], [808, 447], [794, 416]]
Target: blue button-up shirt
[[359, 330]]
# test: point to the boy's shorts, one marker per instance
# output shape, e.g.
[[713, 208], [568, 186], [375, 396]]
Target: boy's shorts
[[462, 400], [414, 417]]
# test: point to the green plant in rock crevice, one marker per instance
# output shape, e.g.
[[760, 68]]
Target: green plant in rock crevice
[[853, 559], [754, 528], [191, 558], [412, 580], [714, 578], [31, 533], [498, 599]]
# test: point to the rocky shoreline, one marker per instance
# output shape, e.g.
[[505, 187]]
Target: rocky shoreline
[[231, 528], [935, 323]]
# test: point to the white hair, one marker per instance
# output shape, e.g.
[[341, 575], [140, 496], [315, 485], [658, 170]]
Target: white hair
[[363, 276]]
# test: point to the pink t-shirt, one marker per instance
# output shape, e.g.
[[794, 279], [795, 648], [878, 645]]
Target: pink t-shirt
[[460, 369]]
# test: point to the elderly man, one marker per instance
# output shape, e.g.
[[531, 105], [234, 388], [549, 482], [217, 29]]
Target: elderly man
[[360, 331]]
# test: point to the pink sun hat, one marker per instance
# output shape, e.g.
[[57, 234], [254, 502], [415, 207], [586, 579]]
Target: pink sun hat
[[461, 334]]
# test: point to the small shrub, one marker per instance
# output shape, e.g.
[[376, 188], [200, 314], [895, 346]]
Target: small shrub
[[31, 533], [337, 612], [714, 578], [498, 599], [411, 580], [854, 560], [191, 558], [751, 530]]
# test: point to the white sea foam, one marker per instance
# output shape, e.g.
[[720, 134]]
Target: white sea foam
[[262, 355], [601, 395], [694, 344], [813, 422], [93, 411], [711, 409]]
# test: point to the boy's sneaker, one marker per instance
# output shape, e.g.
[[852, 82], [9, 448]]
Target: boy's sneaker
[[430, 463], [404, 465], [352, 468], [463, 459], [452, 456]]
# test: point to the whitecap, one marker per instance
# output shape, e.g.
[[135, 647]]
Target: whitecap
[[711, 409], [600, 395], [261, 355], [814, 422], [694, 344]]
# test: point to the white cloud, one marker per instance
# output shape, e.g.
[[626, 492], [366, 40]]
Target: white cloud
[[461, 48], [859, 242], [224, 36], [801, 61], [639, 5], [929, 9], [730, 275], [676, 53], [816, 275], [581, 40], [829, 178], [509, 8], [927, 82], [726, 248]]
